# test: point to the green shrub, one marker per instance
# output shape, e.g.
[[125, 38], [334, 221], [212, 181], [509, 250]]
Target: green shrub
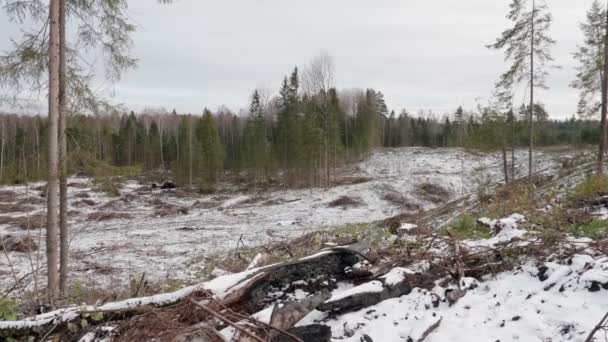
[[467, 228], [591, 187], [8, 310], [596, 229]]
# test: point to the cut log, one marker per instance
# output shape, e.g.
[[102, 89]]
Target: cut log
[[285, 317], [392, 285]]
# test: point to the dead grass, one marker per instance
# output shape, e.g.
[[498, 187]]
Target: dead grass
[[17, 244], [345, 202], [433, 193], [85, 203], [82, 195], [164, 209], [353, 180], [36, 221], [400, 200], [15, 208], [33, 200], [24, 222], [170, 210], [7, 196], [108, 216]]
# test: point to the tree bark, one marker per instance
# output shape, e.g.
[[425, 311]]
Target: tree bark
[[531, 119], [63, 151], [505, 164], [603, 129], [52, 183], [2, 142]]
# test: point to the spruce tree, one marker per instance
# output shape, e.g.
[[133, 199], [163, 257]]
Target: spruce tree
[[591, 74], [211, 152]]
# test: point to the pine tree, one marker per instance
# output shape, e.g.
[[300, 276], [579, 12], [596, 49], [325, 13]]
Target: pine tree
[[526, 44]]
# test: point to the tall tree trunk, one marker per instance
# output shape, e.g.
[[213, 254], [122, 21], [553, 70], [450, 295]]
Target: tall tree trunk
[[190, 153], [160, 134], [603, 129], [37, 137], [2, 143], [52, 184], [513, 146], [63, 156], [505, 164], [531, 119]]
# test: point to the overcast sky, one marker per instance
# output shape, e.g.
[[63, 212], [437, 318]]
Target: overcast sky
[[427, 55]]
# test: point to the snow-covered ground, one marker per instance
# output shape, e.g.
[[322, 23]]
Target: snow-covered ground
[[110, 253]]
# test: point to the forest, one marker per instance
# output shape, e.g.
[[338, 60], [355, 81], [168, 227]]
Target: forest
[[293, 138]]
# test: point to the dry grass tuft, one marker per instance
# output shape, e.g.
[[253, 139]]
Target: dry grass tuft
[[353, 180], [346, 201], [108, 216], [7, 196], [17, 244], [15, 208], [433, 193]]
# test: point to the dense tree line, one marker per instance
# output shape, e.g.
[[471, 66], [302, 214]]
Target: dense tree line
[[292, 139]]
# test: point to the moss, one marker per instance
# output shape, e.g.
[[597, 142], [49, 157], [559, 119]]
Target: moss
[[596, 229], [467, 228]]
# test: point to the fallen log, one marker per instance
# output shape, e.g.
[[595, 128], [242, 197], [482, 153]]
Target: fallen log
[[392, 285], [253, 286], [289, 314]]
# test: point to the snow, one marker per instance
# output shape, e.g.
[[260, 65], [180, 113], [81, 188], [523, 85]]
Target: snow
[[373, 286], [512, 306], [395, 276], [508, 231], [108, 254]]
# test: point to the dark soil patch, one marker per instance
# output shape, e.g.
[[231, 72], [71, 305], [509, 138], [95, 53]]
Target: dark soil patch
[[85, 203], [346, 201], [107, 216], [353, 180], [17, 244], [77, 185], [82, 195]]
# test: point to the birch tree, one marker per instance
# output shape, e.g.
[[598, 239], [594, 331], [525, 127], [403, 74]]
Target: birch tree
[[526, 45]]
